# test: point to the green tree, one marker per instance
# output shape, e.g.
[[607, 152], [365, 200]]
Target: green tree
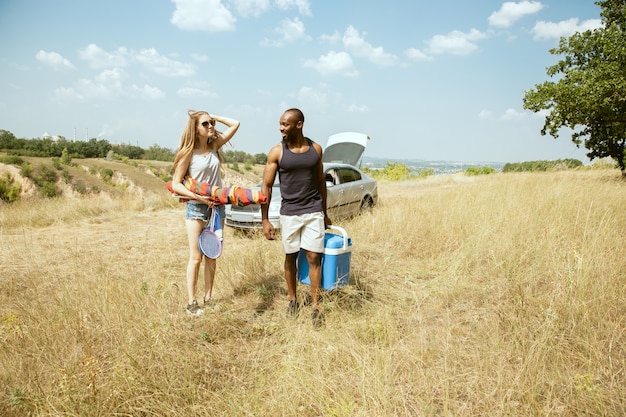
[[66, 159], [7, 140], [588, 97], [260, 158], [157, 153]]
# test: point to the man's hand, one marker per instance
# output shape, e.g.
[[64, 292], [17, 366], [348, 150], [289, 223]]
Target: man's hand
[[327, 221], [268, 230]]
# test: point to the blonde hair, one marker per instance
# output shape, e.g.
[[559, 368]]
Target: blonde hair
[[189, 138]]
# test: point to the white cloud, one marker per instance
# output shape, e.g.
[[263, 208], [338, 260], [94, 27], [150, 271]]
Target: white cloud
[[162, 65], [202, 15], [509, 114], [111, 77], [356, 44], [122, 57], [551, 30], [54, 60], [333, 63], [97, 57], [253, 8], [512, 114], [289, 31], [485, 114], [455, 42], [199, 57], [313, 97], [510, 12], [191, 92], [334, 38], [147, 91], [107, 85], [303, 6], [319, 99], [417, 55], [357, 108]]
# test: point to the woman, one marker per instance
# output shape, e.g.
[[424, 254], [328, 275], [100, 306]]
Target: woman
[[198, 156]]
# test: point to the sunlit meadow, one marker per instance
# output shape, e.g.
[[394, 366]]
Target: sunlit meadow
[[496, 295]]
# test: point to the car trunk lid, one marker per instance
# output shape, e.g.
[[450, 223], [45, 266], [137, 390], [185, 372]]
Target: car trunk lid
[[345, 147]]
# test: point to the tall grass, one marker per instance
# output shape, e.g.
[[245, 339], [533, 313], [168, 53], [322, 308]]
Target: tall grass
[[494, 296]]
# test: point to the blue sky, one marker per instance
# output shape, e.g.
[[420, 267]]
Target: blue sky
[[436, 80]]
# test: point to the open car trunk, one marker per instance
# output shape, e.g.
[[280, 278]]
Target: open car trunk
[[345, 147]]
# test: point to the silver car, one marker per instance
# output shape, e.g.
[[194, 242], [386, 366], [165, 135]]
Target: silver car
[[349, 190]]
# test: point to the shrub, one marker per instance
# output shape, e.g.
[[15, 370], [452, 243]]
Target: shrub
[[66, 176], [479, 170], [49, 189], [56, 162], [425, 172], [66, 159], [106, 174], [12, 160], [44, 174], [9, 189], [558, 165], [27, 170], [392, 171]]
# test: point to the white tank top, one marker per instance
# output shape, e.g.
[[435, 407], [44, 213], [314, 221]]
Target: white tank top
[[206, 168]]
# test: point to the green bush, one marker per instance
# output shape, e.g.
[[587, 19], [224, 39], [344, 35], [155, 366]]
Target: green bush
[[558, 165], [44, 174], [27, 170], [392, 171], [49, 189], [56, 162], [12, 160], [66, 159], [9, 189], [106, 174], [425, 172], [479, 170]]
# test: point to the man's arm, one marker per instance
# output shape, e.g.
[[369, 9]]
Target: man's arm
[[321, 184], [269, 174]]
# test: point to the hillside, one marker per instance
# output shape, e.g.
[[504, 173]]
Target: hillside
[[112, 177]]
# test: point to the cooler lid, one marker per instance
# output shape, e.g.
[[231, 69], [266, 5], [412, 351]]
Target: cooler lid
[[334, 241]]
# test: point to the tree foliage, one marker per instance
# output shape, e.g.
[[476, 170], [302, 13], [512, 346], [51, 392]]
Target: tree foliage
[[101, 148], [532, 166], [589, 94]]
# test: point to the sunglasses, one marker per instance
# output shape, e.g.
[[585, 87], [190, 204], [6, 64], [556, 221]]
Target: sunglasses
[[211, 122]]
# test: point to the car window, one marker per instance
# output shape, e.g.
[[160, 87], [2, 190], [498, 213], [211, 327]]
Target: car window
[[332, 176], [349, 175]]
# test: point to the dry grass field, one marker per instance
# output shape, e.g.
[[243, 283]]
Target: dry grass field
[[498, 295]]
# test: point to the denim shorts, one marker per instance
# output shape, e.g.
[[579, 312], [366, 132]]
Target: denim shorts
[[200, 211]]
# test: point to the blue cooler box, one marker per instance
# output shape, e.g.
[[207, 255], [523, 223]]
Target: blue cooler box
[[335, 261]]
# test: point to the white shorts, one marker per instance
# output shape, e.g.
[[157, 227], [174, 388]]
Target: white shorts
[[304, 231]]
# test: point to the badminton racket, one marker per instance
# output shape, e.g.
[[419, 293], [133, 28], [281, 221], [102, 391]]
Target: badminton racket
[[209, 242]]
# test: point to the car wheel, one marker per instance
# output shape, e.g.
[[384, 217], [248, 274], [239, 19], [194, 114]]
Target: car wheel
[[366, 205]]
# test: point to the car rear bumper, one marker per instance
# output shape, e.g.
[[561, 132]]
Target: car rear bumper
[[238, 221]]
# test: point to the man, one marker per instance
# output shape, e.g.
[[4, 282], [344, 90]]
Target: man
[[303, 217]]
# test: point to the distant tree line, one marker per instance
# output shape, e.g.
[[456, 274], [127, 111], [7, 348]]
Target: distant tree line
[[559, 164], [245, 158], [100, 148]]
